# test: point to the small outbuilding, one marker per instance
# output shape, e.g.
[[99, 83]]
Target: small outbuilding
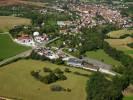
[[36, 34], [75, 62]]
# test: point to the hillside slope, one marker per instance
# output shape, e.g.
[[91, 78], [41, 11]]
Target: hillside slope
[[18, 2]]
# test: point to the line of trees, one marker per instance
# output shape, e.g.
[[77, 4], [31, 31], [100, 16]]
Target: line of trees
[[130, 45], [125, 60]]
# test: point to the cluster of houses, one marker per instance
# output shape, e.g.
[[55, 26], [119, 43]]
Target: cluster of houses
[[67, 27], [50, 54], [31, 40], [92, 15], [70, 61], [90, 12], [47, 53]]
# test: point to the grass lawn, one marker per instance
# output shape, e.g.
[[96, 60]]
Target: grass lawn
[[117, 34], [9, 48], [56, 43], [101, 55], [16, 81], [7, 22], [128, 98]]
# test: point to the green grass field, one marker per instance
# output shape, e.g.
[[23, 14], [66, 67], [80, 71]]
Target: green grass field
[[9, 48], [56, 43], [101, 55], [17, 82], [128, 98]]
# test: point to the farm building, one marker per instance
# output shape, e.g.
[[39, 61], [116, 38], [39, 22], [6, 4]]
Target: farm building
[[75, 62]]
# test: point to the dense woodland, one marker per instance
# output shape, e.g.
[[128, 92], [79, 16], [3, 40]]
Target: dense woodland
[[101, 88]]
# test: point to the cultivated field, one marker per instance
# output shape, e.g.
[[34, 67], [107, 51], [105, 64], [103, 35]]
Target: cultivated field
[[16, 82], [7, 22], [117, 34], [37, 4], [18, 2], [121, 44], [102, 56], [9, 48]]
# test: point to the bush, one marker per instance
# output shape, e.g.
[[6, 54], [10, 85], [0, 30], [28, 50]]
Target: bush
[[58, 71], [57, 88], [68, 90], [59, 61], [67, 70], [61, 77], [36, 56], [124, 36], [77, 73], [45, 69], [35, 74], [130, 45], [45, 80], [1, 59], [50, 78]]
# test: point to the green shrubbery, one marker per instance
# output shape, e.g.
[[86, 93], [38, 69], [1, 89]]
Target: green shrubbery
[[53, 75], [59, 88], [46, 69], [67, 70], [130, 45], [81, 74]]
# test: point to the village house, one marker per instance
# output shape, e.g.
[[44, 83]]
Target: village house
[[25, 39], [64, 23], [40, 38]]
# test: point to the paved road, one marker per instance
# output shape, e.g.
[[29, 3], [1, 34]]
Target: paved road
[[21, 55], [45, 43]]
